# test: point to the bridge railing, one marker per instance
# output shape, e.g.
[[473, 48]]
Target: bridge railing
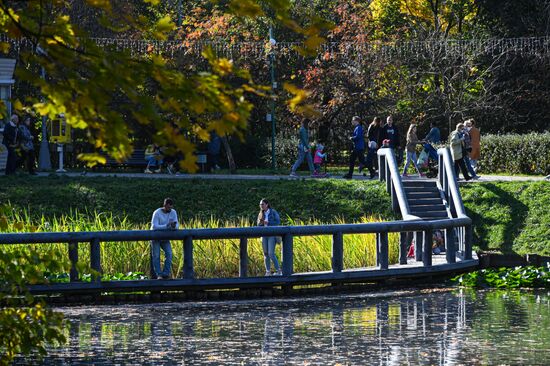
[[457, 241], [189, 236], [448, 184]]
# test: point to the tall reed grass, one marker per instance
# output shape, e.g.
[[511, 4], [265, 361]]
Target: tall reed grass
[[212, 258]]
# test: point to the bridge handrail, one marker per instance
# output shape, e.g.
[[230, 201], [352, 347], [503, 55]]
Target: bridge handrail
[[388, 165], [229, 233], [450, 186]]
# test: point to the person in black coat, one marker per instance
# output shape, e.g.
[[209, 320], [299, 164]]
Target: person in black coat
[[10, 140]]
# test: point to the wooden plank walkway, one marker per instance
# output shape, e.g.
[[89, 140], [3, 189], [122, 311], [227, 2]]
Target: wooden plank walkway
[[413, 269]]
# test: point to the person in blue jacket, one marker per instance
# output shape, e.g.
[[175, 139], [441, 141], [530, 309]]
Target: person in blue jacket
[[358, 146], [268, 216]]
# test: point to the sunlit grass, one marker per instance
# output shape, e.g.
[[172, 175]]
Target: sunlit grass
[[212, 258]]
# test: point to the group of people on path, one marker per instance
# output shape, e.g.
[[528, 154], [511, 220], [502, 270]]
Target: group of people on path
[[19, 142], [166, 218], [464, 143]]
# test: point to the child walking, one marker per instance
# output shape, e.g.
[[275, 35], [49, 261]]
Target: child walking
[[318, 159]]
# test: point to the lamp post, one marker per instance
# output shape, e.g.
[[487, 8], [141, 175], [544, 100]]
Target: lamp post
[[44, 161], [271, 116]]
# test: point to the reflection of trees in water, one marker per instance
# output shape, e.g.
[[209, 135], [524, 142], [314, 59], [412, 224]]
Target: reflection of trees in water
[[434, 329]]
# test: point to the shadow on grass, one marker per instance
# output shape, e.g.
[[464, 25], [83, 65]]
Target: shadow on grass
[[512, 226]]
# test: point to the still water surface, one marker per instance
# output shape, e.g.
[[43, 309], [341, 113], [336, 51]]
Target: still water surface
[[393, 328]]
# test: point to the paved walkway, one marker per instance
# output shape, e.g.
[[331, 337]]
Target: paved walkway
[[484, 178]]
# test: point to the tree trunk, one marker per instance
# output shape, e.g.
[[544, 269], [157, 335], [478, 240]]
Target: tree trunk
[[230, 160]]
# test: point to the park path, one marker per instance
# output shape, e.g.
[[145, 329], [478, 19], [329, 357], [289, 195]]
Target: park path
[[484, 178]]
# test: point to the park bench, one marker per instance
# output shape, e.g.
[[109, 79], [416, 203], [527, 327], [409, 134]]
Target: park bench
[[137, 159]]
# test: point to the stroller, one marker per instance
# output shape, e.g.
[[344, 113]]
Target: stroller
[[428, 159]]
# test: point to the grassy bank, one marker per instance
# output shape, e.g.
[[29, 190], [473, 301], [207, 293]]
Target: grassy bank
[[510, 217], [136, 199]]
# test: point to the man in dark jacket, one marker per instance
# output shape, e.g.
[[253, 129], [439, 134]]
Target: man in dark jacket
[[10, 140], [391, 132], [358, 146]]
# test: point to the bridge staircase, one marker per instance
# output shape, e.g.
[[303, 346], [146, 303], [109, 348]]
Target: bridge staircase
[[424, 199]]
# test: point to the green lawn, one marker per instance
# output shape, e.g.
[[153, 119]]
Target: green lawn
[[509, 217]]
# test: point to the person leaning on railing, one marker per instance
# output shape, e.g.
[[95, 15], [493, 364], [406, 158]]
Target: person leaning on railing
[[268, 216], [457, 146], [164, 218]]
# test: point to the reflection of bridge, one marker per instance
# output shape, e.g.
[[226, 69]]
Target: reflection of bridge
[[393, 330], [456, 226]]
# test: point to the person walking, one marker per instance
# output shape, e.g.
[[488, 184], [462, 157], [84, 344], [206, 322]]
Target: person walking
[[303, 150], [467, 148], [164, 218], [433, 137], [390, 132], [358, 151], [214, 148], [457, 146], [475, 140], [268, 216], [375, 136], [10, 140], [412, 141], [27, 145]]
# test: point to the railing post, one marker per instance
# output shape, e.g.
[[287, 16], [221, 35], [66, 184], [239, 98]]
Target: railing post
[[388, 179], [73, 257], [403, 248], [450, 247], [384, 253], [95, 259], [394, 200], [288, 265], [427, 252], [377, 241], [243, 257], [468, 239], [188, 270], [337, 252], [381, 168], [418, 244]]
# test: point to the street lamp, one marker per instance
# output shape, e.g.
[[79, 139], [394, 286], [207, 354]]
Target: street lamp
[[44, 162], [271, 116]]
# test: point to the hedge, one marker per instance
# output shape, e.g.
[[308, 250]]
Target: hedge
[[516, 154]]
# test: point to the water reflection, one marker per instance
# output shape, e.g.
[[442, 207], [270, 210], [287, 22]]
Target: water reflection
[[444, 328]]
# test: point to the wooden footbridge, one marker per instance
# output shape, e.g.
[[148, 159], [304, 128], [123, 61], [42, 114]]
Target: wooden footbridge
[[424, 205]]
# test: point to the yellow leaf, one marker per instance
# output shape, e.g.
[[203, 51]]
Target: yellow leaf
[[4, 47], [3, 223], [17, 105], [102, 4], [163, 26], [246, 8], [152, 2]]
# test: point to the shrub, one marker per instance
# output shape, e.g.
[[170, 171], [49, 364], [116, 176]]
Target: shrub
[[516, 154]]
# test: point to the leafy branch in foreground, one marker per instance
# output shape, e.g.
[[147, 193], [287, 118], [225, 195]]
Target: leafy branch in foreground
[[26, 324], [111, 93]]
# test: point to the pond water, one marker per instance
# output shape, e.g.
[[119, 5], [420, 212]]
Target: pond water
[[440, 327]]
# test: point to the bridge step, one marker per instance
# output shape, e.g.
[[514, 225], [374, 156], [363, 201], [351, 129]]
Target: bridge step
[[423, 214], [423, 194], [424, 201], [428, 208], [419, 183]]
